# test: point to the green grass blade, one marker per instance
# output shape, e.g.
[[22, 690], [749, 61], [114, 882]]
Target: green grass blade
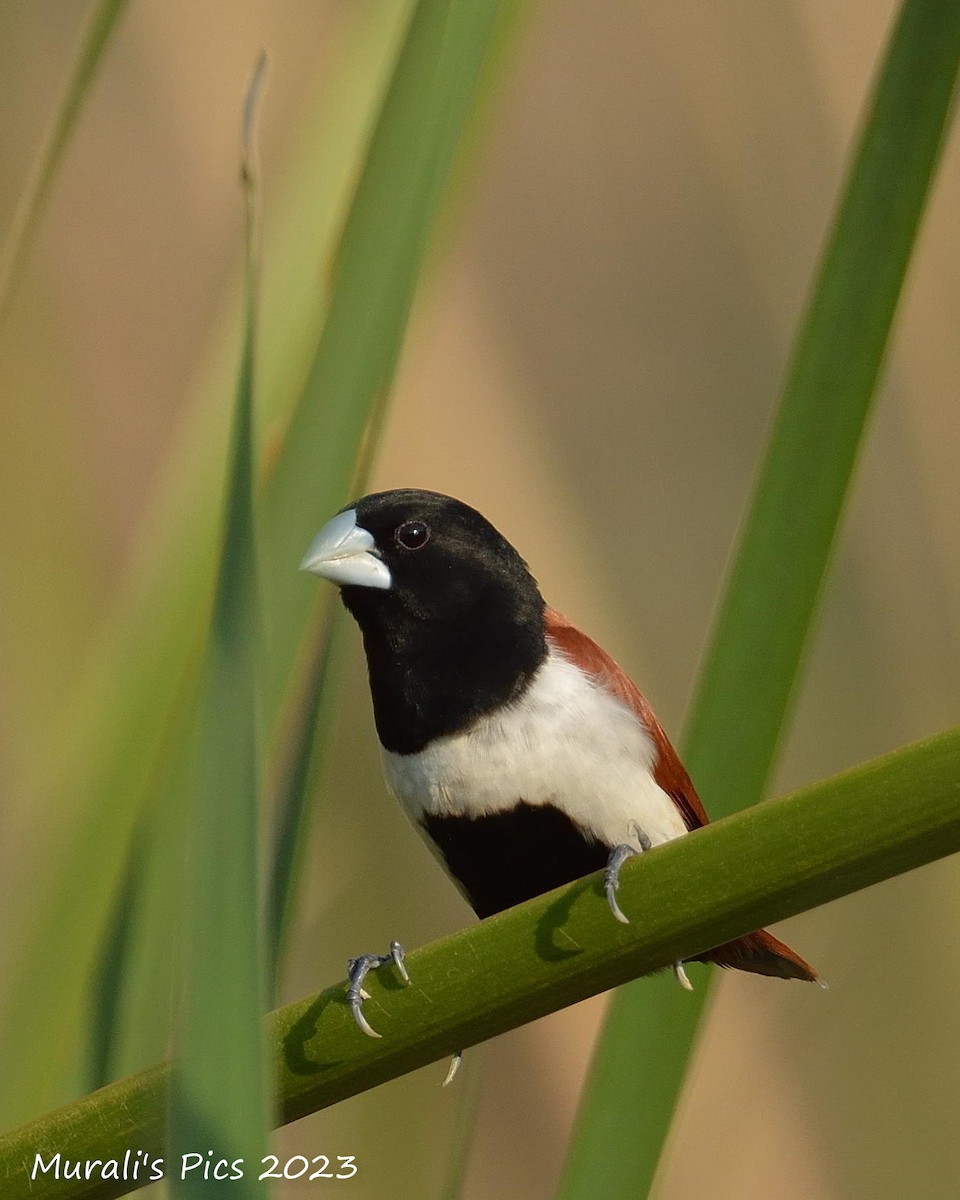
[[758, 642], [825, 841], [218, 1090], [140, 687], [30, 207], [763, 624], [111, 746], [109, 976], [468, 1109], [381, 253], [434, 86], [309, 725], [429, 102], [133, 983]]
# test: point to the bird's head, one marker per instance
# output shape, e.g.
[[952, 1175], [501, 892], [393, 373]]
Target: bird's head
[[419, 557]]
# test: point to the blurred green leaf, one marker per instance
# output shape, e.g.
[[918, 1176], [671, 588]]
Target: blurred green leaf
[[133, 983], [427, 106], [33, 199], [468, 1108], [334, 429], [118, 723], [145, 972], [375, 273], [108, 983], [822, 842], [760, 634], [300, 759], [218, 1095]]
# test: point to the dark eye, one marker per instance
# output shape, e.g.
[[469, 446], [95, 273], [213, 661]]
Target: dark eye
[[412, 535]]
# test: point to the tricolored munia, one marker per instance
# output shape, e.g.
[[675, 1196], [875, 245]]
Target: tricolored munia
[[517, 747]]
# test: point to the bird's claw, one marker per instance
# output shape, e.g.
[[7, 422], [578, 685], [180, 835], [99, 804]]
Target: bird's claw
[[611, 879], [453, 1068], [358, 969], [611, 876], [611, 882], [680, 976]]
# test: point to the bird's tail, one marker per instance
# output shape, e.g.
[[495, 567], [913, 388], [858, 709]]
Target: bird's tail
[[763, 954]]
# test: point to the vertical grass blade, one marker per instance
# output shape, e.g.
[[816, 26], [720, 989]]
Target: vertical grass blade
[[468, 1108], [132, 984], [429, 100], [111, 746], [762, 627], [33, 199], [304, 741], [100, 1053], [763, 624], [114, 731], [218, 1085]]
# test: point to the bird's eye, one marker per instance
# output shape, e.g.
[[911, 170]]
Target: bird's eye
[[412, 535]]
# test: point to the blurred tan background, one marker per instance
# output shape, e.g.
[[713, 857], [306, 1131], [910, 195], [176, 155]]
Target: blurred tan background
[[594, 364]]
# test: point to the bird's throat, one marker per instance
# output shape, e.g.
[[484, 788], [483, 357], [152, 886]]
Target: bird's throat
[[435, 680]]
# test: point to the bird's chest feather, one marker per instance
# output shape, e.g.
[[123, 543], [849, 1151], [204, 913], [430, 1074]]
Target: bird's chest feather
[[565, 744]]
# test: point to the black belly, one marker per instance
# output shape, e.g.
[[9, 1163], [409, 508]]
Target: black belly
[[508, 857]]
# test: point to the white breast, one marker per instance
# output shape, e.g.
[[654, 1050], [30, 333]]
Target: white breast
[[565, 742]]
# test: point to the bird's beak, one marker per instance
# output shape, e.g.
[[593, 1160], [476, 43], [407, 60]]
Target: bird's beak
[[345, 553]]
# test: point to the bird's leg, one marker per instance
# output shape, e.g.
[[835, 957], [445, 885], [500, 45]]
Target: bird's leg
[[357, 971], [611, 876], [611, 882]]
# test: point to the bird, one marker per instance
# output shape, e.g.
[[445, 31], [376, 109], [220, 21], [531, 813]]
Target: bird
[[517, 747]]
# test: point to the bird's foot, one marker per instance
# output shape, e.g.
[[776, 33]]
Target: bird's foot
[[453, 1068], [680, 976], [611, 882], [357, 971], [611, 876]]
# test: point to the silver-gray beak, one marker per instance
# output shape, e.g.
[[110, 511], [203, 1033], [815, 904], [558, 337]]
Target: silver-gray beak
[[343, 552]]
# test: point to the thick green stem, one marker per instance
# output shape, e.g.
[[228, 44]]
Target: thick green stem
[[771, 862]]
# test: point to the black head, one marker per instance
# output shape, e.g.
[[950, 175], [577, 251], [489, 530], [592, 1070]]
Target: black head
[[452, 619]]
